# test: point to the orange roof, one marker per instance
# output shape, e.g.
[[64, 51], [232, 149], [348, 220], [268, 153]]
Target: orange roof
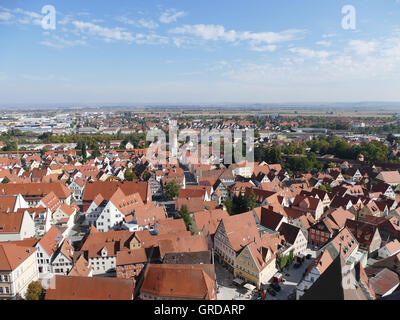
[[90, 288], [180, 281], [171, 226], [126, 203], [28, 242], [107, 189], [241, 229], [131, 256], [7, 203], [51, 240], [35, 189], [11, 255], [149, 214], [51, 201], [80, 268], [209, 220], [183, 243], [11, 222]]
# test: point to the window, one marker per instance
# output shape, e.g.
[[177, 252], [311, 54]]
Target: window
[[5, 278], [7, 289]]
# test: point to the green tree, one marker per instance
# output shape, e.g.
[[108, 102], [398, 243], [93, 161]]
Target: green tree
[[129, 175], [5, 180], [172, 190], [229, 206], [146, 175], [83, 149], [252, 200], [291, 256], [35, 291], [43, 152], [184, 213]]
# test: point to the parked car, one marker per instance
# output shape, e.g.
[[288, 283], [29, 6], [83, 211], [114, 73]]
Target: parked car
[[297, 265], [271, 292], [308, 256]]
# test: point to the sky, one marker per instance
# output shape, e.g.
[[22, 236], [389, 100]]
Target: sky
[[131, 51]]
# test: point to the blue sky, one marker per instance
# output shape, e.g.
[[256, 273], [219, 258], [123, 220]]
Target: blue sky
[[129, 51]]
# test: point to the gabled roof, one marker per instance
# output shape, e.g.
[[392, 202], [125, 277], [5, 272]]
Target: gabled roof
[[90, 288], [384, 281], [309, 202], [51, 201], [389, 176], [182, 243], [270, 219], [209, 220], [11, 222], [149, 214], [339, 216], [11, 255], [51, 240], [81, 268], [108, 188], [241, 229], [289, 232], [180, 281], [126, 257], [7, 203], [364, 232], [171, 226], [35, 189]]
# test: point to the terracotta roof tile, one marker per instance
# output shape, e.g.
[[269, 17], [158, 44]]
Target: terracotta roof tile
[[90, 288]]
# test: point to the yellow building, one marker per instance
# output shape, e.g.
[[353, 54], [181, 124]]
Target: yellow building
[[255, 265], [18, 269]]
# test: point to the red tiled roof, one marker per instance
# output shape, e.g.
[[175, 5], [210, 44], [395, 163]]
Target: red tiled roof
[[11, 255], [90, 288]]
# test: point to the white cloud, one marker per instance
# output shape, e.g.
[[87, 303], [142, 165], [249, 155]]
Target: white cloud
[[125, 20], [311, 54], [324, 43], [171, 15], [363, 48], [150, 24], [328, 35], [108, 34], [20, 16], [259, 41], [117, 34], [65, 20], [268, 48], [5, 16], [60, 43], [28, 17]]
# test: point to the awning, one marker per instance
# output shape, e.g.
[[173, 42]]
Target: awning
[[238, 281]]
